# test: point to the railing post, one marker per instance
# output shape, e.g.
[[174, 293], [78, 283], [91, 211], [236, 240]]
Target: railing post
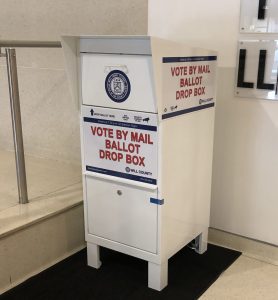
[[17, 127]]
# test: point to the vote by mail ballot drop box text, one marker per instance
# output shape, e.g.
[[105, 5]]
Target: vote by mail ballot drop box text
[[147, 117]]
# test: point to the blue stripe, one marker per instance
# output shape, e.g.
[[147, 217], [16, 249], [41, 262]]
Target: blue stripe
[[186, 111], [120, 124], [121, 175], [157, 201], [188, 59]]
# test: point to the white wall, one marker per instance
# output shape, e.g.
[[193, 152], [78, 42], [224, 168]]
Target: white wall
[[49, 117], [245, 167]]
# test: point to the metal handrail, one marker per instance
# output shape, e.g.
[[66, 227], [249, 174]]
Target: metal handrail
[[30, 44], [10, 55], [17, 126]]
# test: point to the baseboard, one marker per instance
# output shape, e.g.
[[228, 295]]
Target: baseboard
[[14, 284], [249, 247]]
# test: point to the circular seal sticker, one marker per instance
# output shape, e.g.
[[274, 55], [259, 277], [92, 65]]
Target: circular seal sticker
[[117, 86]]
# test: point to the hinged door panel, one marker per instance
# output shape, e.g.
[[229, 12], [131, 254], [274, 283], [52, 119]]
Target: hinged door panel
[[122, 213]]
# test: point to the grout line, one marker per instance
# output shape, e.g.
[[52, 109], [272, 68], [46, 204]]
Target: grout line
[[41, 218], [55, 191], [243, 237], [249, 255], [36, 68], [13, 205], [42, 268], [44, 195], [257, 258]]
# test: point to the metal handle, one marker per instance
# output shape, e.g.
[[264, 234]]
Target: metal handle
[[17, 127]]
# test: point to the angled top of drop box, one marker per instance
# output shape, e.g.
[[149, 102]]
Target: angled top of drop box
[[133, 45], [183, 76]]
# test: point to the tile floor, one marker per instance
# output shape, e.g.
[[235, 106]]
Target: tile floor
[[246, 279]]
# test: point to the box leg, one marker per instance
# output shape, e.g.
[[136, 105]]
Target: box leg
[[201, 242], [157, 276], [93, 255]]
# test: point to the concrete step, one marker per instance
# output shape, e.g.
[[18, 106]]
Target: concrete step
[[49, 228]]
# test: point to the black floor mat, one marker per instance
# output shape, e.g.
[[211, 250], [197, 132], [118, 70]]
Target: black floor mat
[[125, 277]]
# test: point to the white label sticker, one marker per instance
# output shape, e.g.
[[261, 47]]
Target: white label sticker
[[120, 143], [188, 84]]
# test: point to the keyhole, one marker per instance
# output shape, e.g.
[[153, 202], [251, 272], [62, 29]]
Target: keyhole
[[119, 192]]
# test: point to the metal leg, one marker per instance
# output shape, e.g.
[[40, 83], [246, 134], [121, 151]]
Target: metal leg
[[17, 127], [157, 276], [93, 255], [201, 242]]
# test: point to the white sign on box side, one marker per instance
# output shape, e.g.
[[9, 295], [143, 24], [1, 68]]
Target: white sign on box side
[[120, 143], [188, 84]]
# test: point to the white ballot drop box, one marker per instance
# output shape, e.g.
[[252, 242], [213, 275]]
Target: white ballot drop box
[[147, 119]]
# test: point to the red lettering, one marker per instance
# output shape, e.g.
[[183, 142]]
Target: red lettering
[[99, 131], [107, 155], [128, 159], [192, 70], [178, 71], [122, 146], [144, 138], [183, 94], [101, 154], [184, 82], [141, 161], [107, 144], [199, 91], [93, 129], [110, 155], [135, 160], [203, 69], [173, 71], [120, 156], [121, 134]]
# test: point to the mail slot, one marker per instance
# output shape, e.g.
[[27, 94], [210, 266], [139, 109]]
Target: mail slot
[[147, 118]]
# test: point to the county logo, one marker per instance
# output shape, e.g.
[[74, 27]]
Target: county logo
[[117, 86]]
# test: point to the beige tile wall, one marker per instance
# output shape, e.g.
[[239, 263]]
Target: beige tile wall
[[50, 119]]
